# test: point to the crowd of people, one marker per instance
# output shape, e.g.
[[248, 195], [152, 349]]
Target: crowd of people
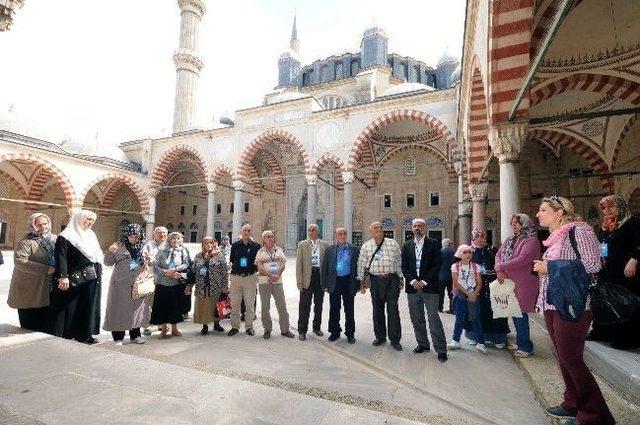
[[57, 280]]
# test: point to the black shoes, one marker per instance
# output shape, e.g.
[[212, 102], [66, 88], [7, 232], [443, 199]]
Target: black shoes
[[217, 327], [559, 412], [288, 334], [267, 334], [421, 349], [232, 332], [318, 332], [396, 346], [377, 342], [302, 337], [442, 357], [351, 339], [250, 332], [204, 330], [333, 337]]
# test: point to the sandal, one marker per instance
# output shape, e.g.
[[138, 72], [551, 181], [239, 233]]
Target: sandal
[[176, 333], [163, 334]]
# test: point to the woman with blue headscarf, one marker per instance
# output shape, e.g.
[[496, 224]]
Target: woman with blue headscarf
[[123, 312]]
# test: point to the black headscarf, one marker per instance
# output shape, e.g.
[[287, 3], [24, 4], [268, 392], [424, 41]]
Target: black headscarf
[[134, 249]]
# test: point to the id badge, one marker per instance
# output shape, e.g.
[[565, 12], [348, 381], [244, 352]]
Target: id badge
[[273, 267], [314, 260], [133, 264], [378, 256], [341, 267], [203, 271], [52, 261], [244, 262], [604, 250], [418, 261]]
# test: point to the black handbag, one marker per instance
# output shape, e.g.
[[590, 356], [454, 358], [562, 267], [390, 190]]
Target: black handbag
[[613, 304], [83, 275]]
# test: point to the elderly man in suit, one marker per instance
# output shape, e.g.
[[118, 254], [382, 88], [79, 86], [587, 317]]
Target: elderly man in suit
[[339, 274], [308, 260], [420, 266]]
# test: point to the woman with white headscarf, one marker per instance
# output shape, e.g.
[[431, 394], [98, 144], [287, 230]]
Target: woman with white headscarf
[[75, 299], [32, 273]]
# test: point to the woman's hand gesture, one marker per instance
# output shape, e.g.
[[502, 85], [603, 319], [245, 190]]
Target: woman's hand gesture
[[113, 247]]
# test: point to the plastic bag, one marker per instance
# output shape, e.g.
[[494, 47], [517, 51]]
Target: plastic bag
[[613, 304], [224, 308], [503, 299]]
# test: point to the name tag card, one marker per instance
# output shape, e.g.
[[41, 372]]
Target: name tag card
[[378, 256], [133, 264], [203, 271], [604, 250], [341, 267], [273, 267], [315, 261], [244, 262]]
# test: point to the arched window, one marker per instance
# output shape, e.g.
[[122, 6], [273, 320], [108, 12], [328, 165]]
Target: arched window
[[182, 228], [410, 166], [355, 67], [324, 73], [307, 77], [331, 102], [169, 227], [417, 73], [339, 70]]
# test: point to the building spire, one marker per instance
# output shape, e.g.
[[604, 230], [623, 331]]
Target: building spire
[[294, 44]]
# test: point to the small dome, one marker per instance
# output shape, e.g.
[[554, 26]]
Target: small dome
[[455, 75], [374, 30], [446, 57], [406, 88]]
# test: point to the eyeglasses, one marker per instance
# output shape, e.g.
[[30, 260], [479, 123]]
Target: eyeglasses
[[467, 252]]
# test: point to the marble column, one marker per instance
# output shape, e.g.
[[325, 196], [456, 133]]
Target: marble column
[[347, 204], [151, 216], [211, 208], [479, 205], [188, 65], [506, 142], [238, 185], [464, 212], [312, 193]]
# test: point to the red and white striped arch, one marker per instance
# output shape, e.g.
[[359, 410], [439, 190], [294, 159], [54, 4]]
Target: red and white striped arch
[[361, 151], [276, 170], [509, 57], [544, 23], [15, 183], [221, 171], [478, 142], [329, 159], [273, 135], [451, 172], [610, 85], [623, 135], [116, 181], [51, 171], [593, 158], [165, 168]]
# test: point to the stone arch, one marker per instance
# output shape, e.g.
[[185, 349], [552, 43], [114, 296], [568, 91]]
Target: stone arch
[[220, 171], [360, 148], [426, 148], [544, 23], [35, 193], [593, 158], [118, 180], [15, 183], [623, 134], [162, 168], [275, 135], [609, 85], [477, 147], [326, 159]]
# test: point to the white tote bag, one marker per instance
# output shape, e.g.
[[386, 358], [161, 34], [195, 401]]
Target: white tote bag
[[503, 299]]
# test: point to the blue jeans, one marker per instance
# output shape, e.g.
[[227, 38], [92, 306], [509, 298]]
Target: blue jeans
[[461, 308], [522, 333]]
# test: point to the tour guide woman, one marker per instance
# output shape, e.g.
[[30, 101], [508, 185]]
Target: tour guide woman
[[583, 402], [75, 300]]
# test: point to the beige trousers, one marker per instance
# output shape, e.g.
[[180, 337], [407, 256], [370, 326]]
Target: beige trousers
[[276, 290], [242, 287]]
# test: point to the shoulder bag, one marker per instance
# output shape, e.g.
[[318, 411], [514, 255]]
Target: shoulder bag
[[143, 284]]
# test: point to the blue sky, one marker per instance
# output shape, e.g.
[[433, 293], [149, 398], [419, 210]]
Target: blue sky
[[93, 70]]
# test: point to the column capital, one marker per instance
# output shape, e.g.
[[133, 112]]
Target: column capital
[[193, 6], [478, 191], [237, 184], [312, 179], [211, 187], [348, 177], [187, 60], [152, 193], [507, 140]]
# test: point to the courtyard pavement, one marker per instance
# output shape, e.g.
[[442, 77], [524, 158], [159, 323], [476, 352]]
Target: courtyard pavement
[[219, 379]]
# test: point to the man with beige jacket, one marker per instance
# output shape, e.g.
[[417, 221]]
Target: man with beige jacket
[[308, 260]]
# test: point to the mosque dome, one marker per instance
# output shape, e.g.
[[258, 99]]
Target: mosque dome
[[406, 88], [446, 57]]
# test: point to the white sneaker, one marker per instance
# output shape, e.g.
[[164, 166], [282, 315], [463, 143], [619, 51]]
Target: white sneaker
[[453, 345], [481, 348], [488, 343], [138, 340], [499, 346], [146, 332], [472, 342], [120, 343]]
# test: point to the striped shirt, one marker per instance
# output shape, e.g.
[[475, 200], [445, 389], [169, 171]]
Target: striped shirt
[[386, 261], [589, 248]]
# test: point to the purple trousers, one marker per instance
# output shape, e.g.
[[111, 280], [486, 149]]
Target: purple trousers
[[582, 396]]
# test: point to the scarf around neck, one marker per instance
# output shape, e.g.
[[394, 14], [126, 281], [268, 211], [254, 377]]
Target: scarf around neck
[[556, 239]]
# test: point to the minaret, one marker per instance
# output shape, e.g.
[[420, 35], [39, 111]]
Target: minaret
[[188, 64], [289, 62]]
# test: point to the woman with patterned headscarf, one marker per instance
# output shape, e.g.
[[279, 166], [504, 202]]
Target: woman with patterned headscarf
[[484, 255], [32, 273], [123, 312], [619, 236], [75, 299], [514, 261]]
